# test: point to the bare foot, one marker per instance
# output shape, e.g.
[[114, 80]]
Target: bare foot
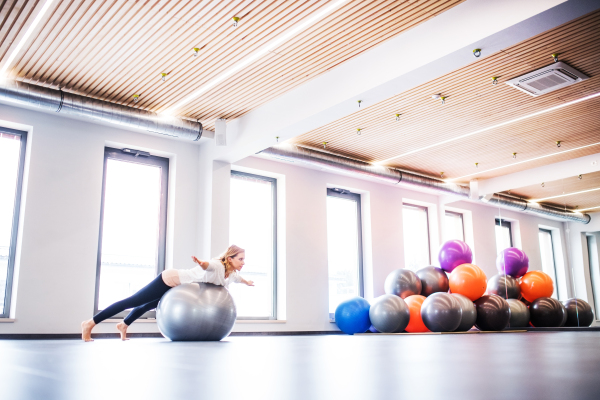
[[86, 330], [122, 327]]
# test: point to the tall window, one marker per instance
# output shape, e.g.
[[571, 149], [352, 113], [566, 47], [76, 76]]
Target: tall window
[[592, 244], [253, 227], [133, 222], [548, 260], [416, 236], [454, 228], [344, 247], [503, 235], [12, 159]]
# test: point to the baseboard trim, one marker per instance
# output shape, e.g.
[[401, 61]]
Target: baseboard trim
[[60, 336]]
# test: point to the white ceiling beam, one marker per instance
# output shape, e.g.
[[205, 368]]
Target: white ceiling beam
[[433, 48], [547, 173]]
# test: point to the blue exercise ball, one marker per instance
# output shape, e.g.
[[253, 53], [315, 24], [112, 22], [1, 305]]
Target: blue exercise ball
[[352, 316]]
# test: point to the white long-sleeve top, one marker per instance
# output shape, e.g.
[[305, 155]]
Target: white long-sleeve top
[[214, 273]]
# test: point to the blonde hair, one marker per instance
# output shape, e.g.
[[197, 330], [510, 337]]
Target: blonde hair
[[232, 251]]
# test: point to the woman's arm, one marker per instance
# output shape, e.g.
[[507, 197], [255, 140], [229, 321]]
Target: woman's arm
[[202, 264], [245, 282]]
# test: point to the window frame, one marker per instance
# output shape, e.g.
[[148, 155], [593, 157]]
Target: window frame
[[553, 258], [12, 248], [347, 195], [273, 182], [593, 282], [462, 221], [163, 163], [426, 209], [506, 224]]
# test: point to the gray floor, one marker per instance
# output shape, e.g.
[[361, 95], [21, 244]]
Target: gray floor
[[547, 365]]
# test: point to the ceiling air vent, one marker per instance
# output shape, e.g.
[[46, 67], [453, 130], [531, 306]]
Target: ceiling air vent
[[548, 79]]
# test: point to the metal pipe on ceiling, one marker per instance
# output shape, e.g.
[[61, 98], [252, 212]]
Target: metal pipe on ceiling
[[336, 163], [57, 100]]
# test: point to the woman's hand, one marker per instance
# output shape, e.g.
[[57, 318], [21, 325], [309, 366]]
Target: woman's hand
[[249, 283], [202, 264]]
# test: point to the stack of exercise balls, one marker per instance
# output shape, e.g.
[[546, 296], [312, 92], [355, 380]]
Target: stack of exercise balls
[[458, 296]]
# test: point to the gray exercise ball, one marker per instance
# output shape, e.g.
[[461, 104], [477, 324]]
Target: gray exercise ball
[[389, 314], [579, 313], [441, 312], [519, 314], [196, 311], [493, 313], [433, 280], [469, 313], [402, 282], [503, 285]]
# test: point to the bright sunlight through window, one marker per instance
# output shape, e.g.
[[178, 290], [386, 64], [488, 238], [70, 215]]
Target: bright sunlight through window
[[548, 261], [454, 226], [416, 237], [252, 227], [130, 230], [343, 247], [10, 148], [503, 235]]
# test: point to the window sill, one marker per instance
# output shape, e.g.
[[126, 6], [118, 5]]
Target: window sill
[[7, 320], [260, 321]]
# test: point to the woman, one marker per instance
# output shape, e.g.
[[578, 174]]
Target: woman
[[219, 271]]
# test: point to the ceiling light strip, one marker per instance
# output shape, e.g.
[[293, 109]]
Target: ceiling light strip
[[252, 57], [586, 209], [25, 37], [563, 195], [492, 127], [522, 162]]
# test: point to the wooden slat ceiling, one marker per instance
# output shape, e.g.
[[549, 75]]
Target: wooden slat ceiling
[[474, 103], [565, 186], [111, 49]]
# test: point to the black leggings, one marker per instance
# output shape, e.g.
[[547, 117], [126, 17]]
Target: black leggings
[[145, 299]]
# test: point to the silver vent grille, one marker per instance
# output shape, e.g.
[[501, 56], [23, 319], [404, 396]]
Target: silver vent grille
[[548, 79]]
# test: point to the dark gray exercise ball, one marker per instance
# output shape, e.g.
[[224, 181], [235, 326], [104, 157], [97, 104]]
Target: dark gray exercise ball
[[503, 285], [493, 313], [546, 312], [389, 314], [402, 282], [469, 313], [519, 314], [564, 318], [433, 280], [196, 311], [441, 312], [579, 313]]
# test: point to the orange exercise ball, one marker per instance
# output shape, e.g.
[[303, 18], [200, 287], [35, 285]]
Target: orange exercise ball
[[468, 280], [536, 284], [415, 324]]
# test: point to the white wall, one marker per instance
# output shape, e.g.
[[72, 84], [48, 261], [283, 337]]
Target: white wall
[[54, 288]]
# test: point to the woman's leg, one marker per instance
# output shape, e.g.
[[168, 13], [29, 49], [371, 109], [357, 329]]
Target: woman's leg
[[133, 315], [148, 293]]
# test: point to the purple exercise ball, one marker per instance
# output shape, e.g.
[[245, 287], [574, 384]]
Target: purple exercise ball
[[454, 253], [513, 262]]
